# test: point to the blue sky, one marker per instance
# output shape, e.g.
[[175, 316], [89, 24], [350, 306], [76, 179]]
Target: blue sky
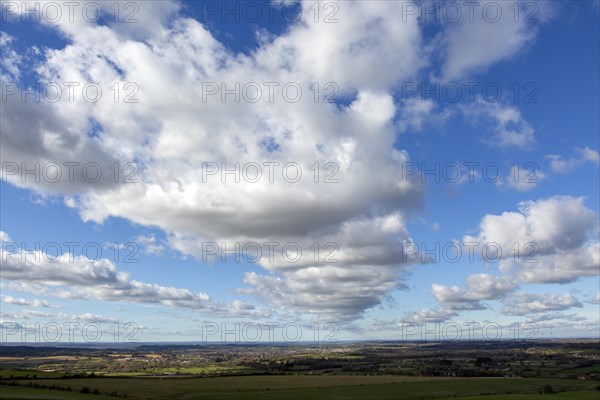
[[416, 169]]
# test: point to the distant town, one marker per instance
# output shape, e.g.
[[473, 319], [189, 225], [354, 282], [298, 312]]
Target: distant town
[[204, 370]]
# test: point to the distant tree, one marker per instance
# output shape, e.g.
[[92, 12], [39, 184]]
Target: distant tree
[[548, 389]]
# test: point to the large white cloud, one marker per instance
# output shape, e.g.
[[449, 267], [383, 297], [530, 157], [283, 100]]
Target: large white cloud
[[176, 128], [553, 240], [559, 223], [173, 131], [351, 52]]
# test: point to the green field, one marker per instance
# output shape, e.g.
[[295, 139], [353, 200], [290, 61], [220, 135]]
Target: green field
[[308, 387], [6, 374], [13, 392], [183, 371], [556, 396]]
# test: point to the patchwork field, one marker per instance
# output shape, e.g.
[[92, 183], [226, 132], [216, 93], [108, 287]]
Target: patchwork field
[[514, 371], [303, 387]]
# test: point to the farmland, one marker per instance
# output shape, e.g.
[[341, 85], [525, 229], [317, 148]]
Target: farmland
[[379, 370]]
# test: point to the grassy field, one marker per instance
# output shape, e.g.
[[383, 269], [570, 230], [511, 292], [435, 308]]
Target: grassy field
[[307, 387], [21, 393], [555, 396], [21, 373], [184, 371]]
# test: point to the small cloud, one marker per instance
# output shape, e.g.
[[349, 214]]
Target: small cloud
[[4, 237], [11, 60], [582, 156], [594, 299], [507, 123], [523, 179], [70, 202], [554, 316], [149, 244], [430, 315], [416, 113], [26, 302], [525, 303]]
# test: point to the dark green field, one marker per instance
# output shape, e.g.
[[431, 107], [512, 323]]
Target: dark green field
[[393, 370], [307, 387]]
